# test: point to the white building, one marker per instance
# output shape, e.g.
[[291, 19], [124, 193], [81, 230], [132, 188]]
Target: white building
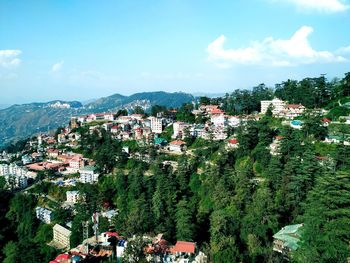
[[233, 121], [72, 196], [44, 214], [88, 175], [176, 146], [218, 120], [156, 124], [61, 236], [15, 176], [15, 181], [278, 106], [179, 129]]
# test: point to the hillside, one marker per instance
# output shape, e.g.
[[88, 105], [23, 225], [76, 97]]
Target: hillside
[[20, 121], [116, 101]]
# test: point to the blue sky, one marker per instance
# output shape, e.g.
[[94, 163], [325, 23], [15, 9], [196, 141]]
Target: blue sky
[[83, 49]]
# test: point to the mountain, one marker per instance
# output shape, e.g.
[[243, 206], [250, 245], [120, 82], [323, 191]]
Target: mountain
[[171, 100], [21, 121]]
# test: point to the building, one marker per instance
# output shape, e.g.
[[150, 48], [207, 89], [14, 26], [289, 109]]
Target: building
[[15, 176], [293, 110], [179, 129], [184, 249], [278, 106], [156, 124], [218, 120], [177, 146], [61, 237], [232, 143], [88, 175], [44, 215], [286, 240], [72, 196]]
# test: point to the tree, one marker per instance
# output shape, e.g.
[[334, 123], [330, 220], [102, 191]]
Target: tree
[[134, 252], [327, 211], [11, 252], [184, 221]]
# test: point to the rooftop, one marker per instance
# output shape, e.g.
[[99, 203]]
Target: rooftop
[[184, 247], [290, 235]]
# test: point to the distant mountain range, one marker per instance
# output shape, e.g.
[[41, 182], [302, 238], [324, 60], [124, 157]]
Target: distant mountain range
[[21, 121]]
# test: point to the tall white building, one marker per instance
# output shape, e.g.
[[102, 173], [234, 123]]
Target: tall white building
[[15, 176], [156, 124], [72, 196], [61, 236], [44, 214], [88, 175], [278, 106]]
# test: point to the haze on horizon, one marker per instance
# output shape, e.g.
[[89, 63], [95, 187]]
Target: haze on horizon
[[84, 49]]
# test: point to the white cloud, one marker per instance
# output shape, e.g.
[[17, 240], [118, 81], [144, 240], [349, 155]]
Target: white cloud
[[343, 50], [57, 66], [272, 52], [322, 6], [9, 58]]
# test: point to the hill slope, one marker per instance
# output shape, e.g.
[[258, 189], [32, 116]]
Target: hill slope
[[21, 121]]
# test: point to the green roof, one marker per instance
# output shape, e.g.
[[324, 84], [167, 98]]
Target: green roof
[[290, 235], [160, 141], [88, 168]]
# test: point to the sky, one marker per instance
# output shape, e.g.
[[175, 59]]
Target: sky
[[85, 49]]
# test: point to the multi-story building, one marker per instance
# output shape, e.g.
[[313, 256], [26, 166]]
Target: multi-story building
[[15, 176], [88, 175], [156, 124], [61, 236], [72, 196], [179, 129], [278, 106], [44, 214]]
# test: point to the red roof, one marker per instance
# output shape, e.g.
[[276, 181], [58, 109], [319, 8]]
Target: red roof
[[177, 142], [233, 141], [295, 106], [62, 257], [326, 120], [279, 137], [184, 247], [112, 234], [217, 111]]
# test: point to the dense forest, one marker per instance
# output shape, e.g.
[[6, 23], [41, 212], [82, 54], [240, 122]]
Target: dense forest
[[229, 201]]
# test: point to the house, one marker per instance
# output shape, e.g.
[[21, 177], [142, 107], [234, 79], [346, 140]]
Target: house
[[88, 174], [61, 237], [177, 146], [286, 240], [62, 258], [232, 143], [183, 248], [53, 153], [61, 138], [292, 110], [218, 120], [114, 129], [72, 196], [44, 215], [233, 121]]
